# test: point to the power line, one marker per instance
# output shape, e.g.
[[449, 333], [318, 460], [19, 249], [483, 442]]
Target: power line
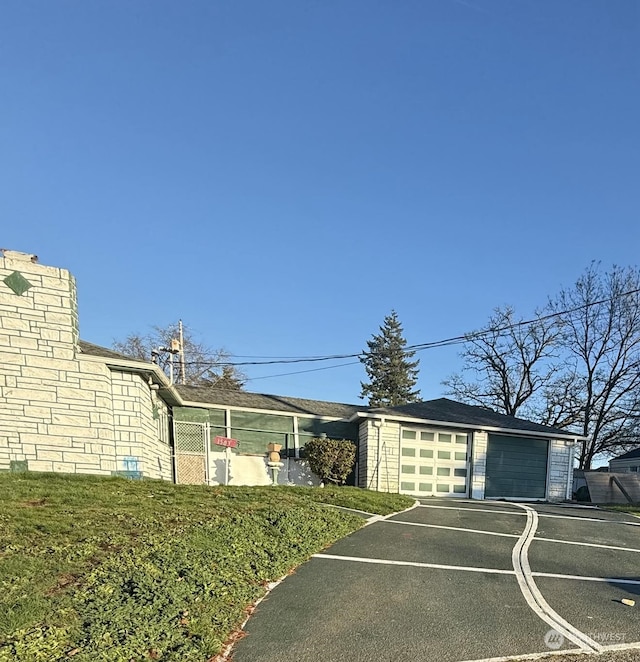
[[300, 372], [446, 342]]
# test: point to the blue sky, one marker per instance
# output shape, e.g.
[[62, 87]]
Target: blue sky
[[282, 174]]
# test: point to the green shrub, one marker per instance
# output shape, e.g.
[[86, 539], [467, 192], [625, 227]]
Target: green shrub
[[331, 460]]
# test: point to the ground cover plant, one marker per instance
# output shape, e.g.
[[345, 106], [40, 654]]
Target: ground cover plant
[[633, 508], [116, 570]]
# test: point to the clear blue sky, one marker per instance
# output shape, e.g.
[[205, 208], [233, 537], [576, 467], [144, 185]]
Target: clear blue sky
[[282, 173]]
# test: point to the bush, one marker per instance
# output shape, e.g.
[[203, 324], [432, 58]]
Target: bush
[[331, 460]]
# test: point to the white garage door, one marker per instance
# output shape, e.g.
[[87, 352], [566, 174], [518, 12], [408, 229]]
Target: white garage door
[[434, 463]]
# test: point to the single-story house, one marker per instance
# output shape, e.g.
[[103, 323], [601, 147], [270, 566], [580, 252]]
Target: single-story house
[[628, 462], [71, 406]]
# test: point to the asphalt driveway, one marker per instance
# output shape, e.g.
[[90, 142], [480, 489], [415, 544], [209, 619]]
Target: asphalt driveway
[[442, 583]]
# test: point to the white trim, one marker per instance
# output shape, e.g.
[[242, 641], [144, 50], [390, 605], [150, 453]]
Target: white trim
[[547, 477], [467, 426], [277, 412]]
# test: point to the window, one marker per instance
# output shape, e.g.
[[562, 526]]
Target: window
[[426, 436], [408, 452], [409, 434], [444, 438]]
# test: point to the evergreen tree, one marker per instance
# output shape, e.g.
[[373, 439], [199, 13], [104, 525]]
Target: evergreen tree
[[392, 375]]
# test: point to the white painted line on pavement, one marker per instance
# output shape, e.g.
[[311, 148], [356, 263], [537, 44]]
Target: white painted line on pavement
[[587, 544], [589, 519], [584, 578], [453, 528], [413, 564], [534, 656], [549, 654], [466, 568], [512, 535], [519, 514], [382, 518], [531, 593], [474, 510]]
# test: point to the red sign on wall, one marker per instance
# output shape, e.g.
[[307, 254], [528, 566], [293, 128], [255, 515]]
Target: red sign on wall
[[226, 442]]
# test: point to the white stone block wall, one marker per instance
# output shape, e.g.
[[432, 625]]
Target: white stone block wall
[[56, 409], [479, 444], [136, 425], [389, 465], [560, 476]]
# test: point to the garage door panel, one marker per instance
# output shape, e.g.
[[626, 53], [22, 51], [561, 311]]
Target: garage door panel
[[434, 463], [516, 467]]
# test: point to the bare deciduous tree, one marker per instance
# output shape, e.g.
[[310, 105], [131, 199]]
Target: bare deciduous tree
[[577, 367], [601, 335], [510, 363], [203, 366]]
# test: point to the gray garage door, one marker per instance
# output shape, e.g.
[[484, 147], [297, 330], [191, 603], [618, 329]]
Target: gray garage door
[[516, 467]]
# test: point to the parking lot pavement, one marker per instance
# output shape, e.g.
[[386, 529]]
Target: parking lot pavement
[[441, 582], [332, 611]]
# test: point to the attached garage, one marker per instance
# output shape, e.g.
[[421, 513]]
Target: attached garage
[[442, 448], [516, 467]]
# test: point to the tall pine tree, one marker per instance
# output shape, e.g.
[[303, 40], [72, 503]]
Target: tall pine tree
[[392, 375]]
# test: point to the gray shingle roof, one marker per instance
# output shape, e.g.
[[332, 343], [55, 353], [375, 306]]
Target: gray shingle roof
[[97, 350], [630, 455], [446, 410], [219, 396]]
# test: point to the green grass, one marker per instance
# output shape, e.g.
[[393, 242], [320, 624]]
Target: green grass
[[623, 508], [115, 570]]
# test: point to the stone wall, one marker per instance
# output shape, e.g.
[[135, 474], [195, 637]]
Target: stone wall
[[59, 411], [387, 464]]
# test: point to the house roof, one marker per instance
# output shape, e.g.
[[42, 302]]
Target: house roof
[[449, 411], [629, 456], [232, 398], [97, 350], [442, 410]]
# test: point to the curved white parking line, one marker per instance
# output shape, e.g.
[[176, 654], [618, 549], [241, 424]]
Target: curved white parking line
[[463, 529], [531, 593]]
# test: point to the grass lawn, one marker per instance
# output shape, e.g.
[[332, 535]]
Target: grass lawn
[[116, 570], [633, 508]]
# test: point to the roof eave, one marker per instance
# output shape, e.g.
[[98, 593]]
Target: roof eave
[[167, 390], [467, 426]]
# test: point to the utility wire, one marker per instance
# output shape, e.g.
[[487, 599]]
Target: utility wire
[[300, 372], [455, 340]]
